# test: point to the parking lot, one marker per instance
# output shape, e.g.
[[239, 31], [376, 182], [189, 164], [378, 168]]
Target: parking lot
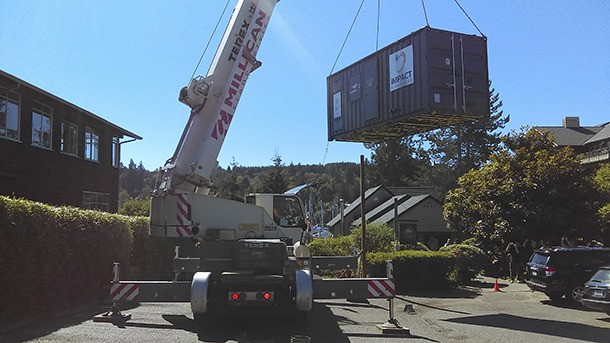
[[469, 314]]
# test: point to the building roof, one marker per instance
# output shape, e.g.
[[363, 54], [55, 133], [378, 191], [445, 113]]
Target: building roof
[[602, 135], [575, 135], [404, 207], [383, 208], [19, 82], [355, 205]]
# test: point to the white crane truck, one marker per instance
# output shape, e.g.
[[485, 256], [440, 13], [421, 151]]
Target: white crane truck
[[252, 257]]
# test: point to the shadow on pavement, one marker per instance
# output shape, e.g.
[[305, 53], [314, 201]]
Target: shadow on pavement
[[33, 328], [322, 326], [540, 326], [455, 292]]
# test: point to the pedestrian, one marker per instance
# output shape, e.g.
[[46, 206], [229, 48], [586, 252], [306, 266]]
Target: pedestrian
[[512, 251], [526, 251]]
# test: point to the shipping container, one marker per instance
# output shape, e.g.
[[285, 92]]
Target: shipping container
[[429, 79]]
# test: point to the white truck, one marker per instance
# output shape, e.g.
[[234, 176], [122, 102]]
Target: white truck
[[252, 257]]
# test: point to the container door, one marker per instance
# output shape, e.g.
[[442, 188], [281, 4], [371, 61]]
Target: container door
[[474, 76], [370, 99]]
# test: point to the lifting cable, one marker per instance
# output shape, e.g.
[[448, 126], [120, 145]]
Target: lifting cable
[[346, 37], [467, 16], [210, 39], [335, 64], [423, 5]]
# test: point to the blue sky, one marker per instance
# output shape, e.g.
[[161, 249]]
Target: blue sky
[[127, 60]]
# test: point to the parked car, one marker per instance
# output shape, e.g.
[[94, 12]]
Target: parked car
[[562, 271], [597, 291]]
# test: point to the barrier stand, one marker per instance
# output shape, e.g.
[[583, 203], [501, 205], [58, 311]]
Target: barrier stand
[[392, 326], [113, 313]]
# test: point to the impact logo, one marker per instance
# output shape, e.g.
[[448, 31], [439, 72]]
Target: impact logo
[[401, 68]]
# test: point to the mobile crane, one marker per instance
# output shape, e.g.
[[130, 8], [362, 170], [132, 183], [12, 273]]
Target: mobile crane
[[252, 256]]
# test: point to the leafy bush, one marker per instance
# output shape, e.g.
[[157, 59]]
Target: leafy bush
[[340, 246], [55, 257], [52, 258], [379, 237], [468, 261]]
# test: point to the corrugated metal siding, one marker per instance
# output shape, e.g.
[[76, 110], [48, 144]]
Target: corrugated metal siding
[[450, 86]]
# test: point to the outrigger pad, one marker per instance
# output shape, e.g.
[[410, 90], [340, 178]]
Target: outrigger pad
[[112, 315], [392, 327]]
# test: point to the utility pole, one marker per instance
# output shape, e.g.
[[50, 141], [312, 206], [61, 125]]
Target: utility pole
[[363, 217]]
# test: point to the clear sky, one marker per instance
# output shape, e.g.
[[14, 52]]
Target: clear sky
[[127, 60]]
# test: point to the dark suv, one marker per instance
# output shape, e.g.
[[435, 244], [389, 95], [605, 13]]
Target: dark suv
[[559, 271]]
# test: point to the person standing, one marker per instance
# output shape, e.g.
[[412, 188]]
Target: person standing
[[512, 251]]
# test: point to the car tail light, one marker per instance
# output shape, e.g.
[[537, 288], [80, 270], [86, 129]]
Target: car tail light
[[234, 296], [266, 296], [549, 271]]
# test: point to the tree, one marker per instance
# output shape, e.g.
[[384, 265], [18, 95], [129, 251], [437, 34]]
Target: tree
[[529, 189], [228, 185], [274, 180], [460, 148], [133, 179], [602, 181], [395, 162]]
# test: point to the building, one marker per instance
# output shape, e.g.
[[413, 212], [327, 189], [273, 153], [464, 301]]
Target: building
[[416, 216], [593, 142], [55, 152]]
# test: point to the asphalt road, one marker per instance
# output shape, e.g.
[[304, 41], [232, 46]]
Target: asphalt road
[[471, 314]]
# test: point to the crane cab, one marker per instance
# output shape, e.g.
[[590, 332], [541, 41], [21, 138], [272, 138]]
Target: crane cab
[[286, 210]]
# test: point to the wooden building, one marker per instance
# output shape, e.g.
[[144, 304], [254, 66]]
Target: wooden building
[[55, 152]]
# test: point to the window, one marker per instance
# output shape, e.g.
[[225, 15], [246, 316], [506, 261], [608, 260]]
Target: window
[[69, 138], [287, 211], [92, 142], [9, 114], [96, 201], [116, 145], [41, 125], [408, 233]]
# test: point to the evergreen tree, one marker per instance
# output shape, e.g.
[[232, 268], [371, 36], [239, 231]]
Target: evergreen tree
[[395, 162], [274, 181], [455, 150]]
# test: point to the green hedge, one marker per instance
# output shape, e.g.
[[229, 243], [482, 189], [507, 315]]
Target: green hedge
[[413, 269], [52, 258]]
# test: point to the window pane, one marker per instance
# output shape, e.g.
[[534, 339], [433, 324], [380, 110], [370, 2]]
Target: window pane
[[41, 125], [91, 145], [12, 120], [36, 131], [46, 131], [3, 118]]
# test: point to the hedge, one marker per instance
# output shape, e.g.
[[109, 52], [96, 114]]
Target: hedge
[[52, 258], [413, 269]]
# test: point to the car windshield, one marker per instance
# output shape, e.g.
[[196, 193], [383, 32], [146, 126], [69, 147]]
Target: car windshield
[[602, 275]]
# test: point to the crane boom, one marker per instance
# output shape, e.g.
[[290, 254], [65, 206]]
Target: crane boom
[[214, 98]]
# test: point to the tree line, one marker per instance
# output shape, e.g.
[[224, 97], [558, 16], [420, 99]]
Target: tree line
[[495, 186]]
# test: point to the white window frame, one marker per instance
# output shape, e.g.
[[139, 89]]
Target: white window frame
[[116, 151], [69, 140], [40, 112], [12, 99], [92, 145]]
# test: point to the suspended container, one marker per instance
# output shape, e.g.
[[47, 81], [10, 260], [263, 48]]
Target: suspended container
[[429, 79]]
